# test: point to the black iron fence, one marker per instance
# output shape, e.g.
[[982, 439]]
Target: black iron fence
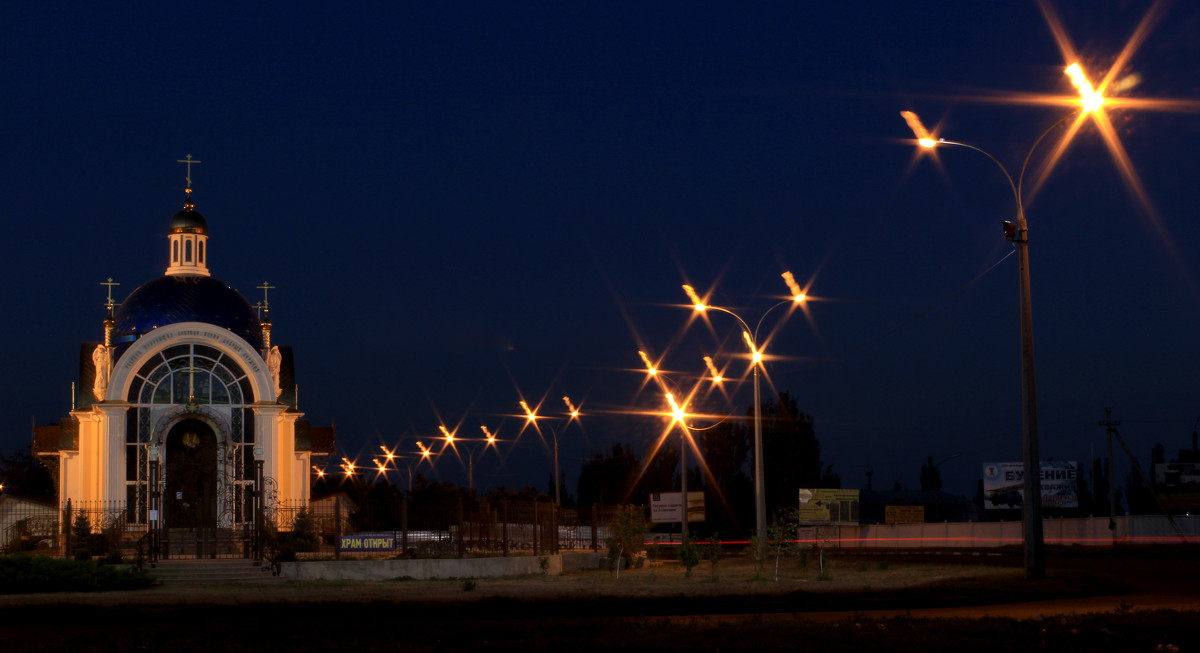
[[451, 527], [96, 527]]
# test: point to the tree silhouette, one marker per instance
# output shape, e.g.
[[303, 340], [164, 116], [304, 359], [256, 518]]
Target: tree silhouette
[[931, 476]]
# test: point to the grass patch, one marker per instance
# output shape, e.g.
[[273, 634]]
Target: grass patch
[[23, 574]]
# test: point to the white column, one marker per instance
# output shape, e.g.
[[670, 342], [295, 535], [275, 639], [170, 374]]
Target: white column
[[266, 435], [286, 434], [112, 443]]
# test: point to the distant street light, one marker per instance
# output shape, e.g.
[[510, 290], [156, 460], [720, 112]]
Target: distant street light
[[533, 417], [751, 338]]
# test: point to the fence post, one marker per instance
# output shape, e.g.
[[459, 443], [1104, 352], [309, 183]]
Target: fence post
[[462, 543], [554, 526], [595, 543], [535, 528], [66, 528], [337, 529], [504, 526], [404, 526]]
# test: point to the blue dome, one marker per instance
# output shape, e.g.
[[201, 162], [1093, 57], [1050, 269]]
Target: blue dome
[[186, 298]]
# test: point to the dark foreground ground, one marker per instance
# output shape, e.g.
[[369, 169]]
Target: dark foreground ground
[[1146, 600]]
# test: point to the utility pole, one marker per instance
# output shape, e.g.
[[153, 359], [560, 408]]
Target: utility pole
[[1109, 426]]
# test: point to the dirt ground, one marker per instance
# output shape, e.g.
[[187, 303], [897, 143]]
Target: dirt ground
[[860, 602]]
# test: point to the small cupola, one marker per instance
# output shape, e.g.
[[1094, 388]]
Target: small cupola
[[188, 236]]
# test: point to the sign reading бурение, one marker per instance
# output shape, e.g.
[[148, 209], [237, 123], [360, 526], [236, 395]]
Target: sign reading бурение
[[367, 543]]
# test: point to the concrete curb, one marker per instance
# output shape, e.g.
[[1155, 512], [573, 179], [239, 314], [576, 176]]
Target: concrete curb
[[426, 569]]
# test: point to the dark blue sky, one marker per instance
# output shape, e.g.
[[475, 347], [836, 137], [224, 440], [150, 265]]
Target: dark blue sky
[[459, 203]]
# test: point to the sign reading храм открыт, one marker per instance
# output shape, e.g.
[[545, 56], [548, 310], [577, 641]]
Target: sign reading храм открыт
[[367, 543]]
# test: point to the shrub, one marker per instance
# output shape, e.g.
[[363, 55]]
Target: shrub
[[23, 574], [81, 535], [689, 556], [304, 532], [628, 537], [713, 553]]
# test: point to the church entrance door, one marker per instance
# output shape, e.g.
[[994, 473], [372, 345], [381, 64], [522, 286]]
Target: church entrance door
[[190, 488]]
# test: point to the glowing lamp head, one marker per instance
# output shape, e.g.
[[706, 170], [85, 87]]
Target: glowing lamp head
[[798, 294], [924, 138], [756, 355], [529, 414], [571, 407], [697, 303], [650, 369], [676, 411], [446, 432], [1089, 98]]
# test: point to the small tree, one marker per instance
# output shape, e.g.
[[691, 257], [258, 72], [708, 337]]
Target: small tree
[[713, 553], [689, 556], [304, 532], [81, 534], [652, 555], [752, 551], [628, 535], [782, 534]]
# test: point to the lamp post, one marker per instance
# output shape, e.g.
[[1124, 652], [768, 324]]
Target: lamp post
[[751, 338], [1090, 100], [677, 416], [533, 417], [481, 446]]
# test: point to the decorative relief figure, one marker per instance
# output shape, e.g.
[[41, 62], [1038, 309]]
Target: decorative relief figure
[[102, 359], [274, 360]]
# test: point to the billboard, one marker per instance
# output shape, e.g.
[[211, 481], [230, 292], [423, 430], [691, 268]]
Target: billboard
[[824, 506], [367, 542], [665, 508], [903, 514], [1003, 484]]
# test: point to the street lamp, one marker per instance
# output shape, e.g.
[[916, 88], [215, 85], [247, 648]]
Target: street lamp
[[1090, 100], [760, 500], [532, 417], [677, 417]]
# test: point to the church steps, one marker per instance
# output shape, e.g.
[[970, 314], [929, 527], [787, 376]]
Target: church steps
[[172, 572]]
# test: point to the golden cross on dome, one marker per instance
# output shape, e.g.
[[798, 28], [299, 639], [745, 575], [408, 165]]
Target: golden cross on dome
[[189, 163], [266, 288], [110, 283]]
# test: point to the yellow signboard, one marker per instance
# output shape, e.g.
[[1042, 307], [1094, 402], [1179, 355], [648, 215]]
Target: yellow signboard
[[904, 514], [827, 505]]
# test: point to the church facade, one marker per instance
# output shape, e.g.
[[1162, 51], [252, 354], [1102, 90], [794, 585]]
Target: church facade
[[187, 416]]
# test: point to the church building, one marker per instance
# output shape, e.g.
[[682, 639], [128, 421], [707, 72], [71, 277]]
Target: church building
[[186, 414]]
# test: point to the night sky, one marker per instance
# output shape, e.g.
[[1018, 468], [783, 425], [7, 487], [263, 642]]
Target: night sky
[[464, 204]]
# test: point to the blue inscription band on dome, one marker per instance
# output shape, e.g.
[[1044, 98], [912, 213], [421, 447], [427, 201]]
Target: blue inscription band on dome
[[187, 298]]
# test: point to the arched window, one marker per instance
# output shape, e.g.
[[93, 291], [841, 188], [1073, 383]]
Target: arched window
[[200, 258], [174, 251], [187, 251], [200, 375]]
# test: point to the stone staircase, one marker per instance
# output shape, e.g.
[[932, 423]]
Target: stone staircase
[[182, 543], [237, 570]]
